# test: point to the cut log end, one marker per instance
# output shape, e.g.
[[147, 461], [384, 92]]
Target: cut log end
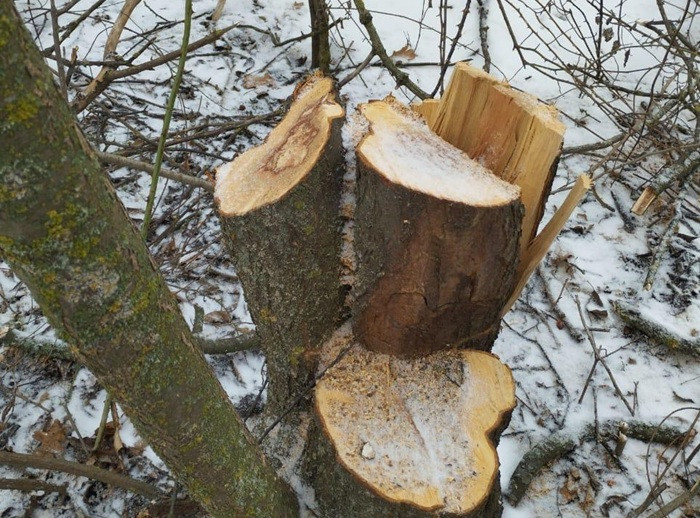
[[401, 147], [264, 174], [420, 432]]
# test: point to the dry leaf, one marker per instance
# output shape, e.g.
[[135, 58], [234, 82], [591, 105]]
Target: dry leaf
[[298, 5], [52, 440], [251, 81], [217, 317], [404, 53]]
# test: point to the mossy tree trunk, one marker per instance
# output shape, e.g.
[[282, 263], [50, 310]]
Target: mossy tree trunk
[[64, 232]]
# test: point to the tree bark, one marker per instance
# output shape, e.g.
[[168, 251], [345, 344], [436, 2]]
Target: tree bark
[[320, 44], [64, 232]]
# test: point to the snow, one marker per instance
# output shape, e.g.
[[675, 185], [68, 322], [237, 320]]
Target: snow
[[594, 258]]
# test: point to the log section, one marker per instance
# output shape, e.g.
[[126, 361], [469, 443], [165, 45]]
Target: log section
[[436, 236], [278, 205]]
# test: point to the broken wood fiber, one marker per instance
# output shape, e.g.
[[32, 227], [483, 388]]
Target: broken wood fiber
[[437, 239], [278, 204]]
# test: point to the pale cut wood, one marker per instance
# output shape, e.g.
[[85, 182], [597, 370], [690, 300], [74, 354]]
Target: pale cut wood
[[266, 173], [419, 432], [540, 245], [428, 109], [279, 208], [436, 237], [511, 133]]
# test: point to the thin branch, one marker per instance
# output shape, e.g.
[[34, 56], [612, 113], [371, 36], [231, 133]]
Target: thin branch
[[95, 88], [166, 120], [600, 359], [30, 484], [401, 77], [26, 460], [122, 161], [359, 68]]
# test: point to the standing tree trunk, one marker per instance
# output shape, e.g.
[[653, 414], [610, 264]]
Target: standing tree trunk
[[64, 232]]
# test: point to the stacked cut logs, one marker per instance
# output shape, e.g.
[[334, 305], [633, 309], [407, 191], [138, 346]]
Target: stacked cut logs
[[411, 403]]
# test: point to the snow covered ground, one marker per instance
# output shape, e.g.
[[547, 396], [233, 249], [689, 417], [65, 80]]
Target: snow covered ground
[[600, 258]]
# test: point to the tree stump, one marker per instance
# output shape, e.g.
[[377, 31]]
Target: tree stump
[[409, 404], [278, 205], [436, 239]]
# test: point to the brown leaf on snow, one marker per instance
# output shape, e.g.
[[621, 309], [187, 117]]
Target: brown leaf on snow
[[298, 5], [251, 81], [217, 317], [404, 53], [52, 439]]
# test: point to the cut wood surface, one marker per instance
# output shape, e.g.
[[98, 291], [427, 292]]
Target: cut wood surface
[[278, 204], [436, 235], [419, 431], [266, 173], [511, 133]]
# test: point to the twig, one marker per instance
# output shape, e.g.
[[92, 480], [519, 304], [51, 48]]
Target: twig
[[677, 502], [118, 28], [483, 34], [57, 46], [25, 460], [166, 120], [453, 46], [599, 359], [72, 26], [96, 88], [103, 423], [242, 342], [29, 484], [110, 158], [359, 68], [653, 495], [633, 318], [401, 77]]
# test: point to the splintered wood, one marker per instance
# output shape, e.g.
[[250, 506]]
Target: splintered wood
[[509, 132], [436, 236], [419, 431], [288, 153]]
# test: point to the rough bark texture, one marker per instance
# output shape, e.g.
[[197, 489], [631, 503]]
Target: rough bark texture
[[64, 232], [287, 257], [431, 273]]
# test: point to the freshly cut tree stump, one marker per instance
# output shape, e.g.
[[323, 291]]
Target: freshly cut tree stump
[[436, 235], [278, 205], [419, 434]]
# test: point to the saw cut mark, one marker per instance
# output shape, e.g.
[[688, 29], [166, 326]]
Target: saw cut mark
[[426, 422]]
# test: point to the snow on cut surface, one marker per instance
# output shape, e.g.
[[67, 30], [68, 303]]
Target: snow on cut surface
[[415, 430], [402, 148]]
